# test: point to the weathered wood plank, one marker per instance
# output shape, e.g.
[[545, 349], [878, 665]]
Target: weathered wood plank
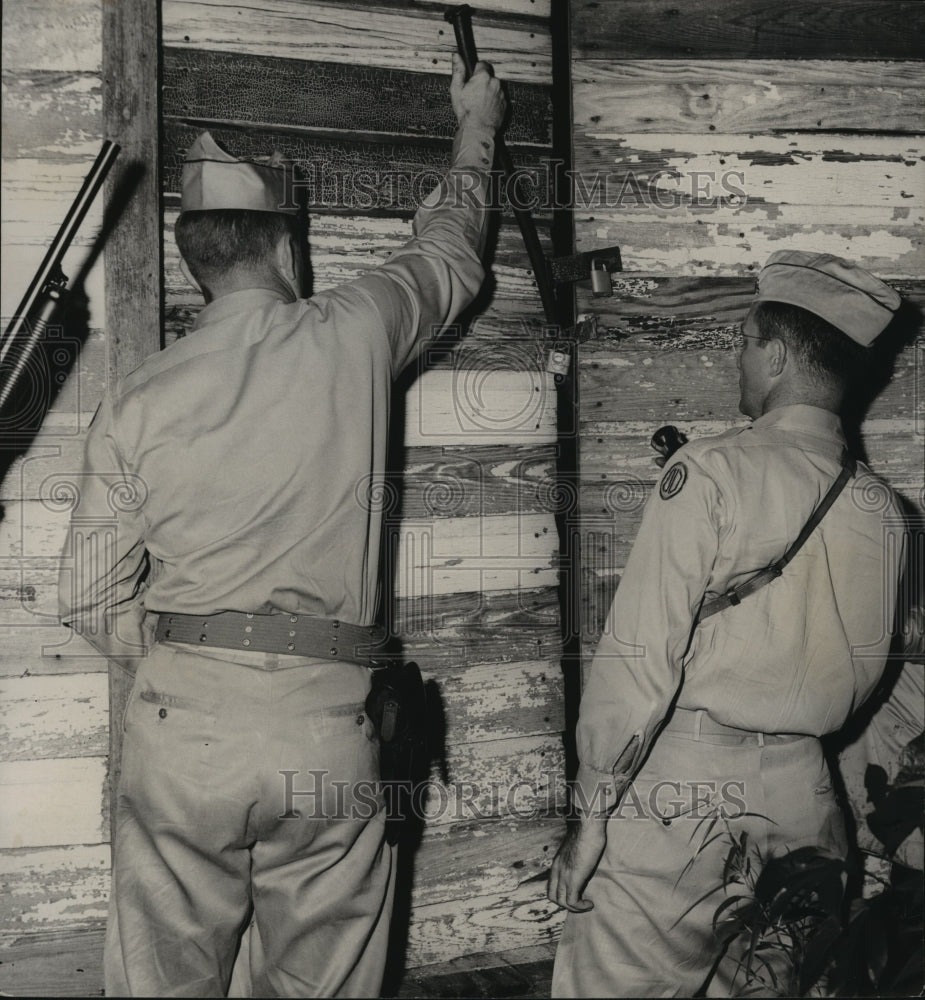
[[453, 555], [500, 700], [53, 889], [342, 248], [341, 174], [699, 204], [52, 115], [618, 462], [766, 96], [476, 407], [363, 35], [672, 313], [221, 87], [39, 717], [59, 964], [672, 386], [20, 260], [500, 320], [55, 899], [441, 632], [485, 856], [748, 29], [494, 922], [60, 37], [456, 481], [793, 168], [704, 247], [45, 717], [522, 8], [41, 650], [36, 195], [518, 777], [38, 793], [473, 482], [66, 889], [436, 555]]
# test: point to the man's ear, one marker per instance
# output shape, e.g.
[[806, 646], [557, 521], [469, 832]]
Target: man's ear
[[775, 356], [188, 274], [289, 262]]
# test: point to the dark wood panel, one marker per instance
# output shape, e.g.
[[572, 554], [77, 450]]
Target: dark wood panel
[[667, 313], [331, 97], [749, 96], [748, 29], [341, 175], [401, 35]]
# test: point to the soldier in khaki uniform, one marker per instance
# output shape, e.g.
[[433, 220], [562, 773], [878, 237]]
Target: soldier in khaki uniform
[[225, 490], [687, 716]]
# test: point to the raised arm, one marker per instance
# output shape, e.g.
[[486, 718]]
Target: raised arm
[[425, 285]]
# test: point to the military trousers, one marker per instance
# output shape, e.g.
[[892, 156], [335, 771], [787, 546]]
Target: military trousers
[[647, 935], [248, 786]]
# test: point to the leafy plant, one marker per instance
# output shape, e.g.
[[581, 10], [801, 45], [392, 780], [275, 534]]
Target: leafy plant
[[797, 933]]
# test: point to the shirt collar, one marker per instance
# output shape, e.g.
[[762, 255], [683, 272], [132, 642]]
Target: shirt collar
[[805, 419], [237, 302]]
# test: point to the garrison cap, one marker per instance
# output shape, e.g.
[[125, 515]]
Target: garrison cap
[[214, 179], [843, 294]]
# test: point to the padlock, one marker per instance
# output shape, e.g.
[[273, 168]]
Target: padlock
[[601, 284], [558, 363]]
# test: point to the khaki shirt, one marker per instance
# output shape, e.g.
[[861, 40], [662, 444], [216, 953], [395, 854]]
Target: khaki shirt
[[238, 469], [799, 655]]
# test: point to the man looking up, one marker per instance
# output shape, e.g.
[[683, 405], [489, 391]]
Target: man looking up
[[696, 709], [223, 491]]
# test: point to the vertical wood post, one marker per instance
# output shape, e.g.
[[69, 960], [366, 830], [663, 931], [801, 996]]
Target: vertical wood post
[[131, 85]]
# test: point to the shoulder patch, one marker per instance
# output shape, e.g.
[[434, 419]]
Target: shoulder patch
[[673, 481]]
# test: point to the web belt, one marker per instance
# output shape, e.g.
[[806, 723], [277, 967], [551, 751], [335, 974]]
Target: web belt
[[289, 635]]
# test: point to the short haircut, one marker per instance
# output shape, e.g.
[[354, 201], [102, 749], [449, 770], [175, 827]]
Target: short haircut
[[822, 350], [218, 241]]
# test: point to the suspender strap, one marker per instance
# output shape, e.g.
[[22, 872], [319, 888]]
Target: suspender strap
[[772, 572]]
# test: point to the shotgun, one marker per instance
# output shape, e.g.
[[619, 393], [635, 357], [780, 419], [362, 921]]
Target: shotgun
[[48, 287]]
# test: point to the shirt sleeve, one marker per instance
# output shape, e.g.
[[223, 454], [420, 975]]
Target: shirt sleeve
[[637, 668], [425, 284], [101, 583]]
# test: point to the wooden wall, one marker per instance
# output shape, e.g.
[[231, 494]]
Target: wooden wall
[[54, 851], [357, 86], [719, 132]]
